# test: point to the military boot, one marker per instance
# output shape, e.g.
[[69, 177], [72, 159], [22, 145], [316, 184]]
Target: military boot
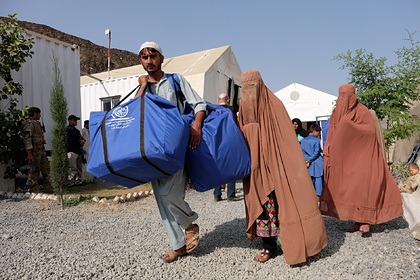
[[47, 188], [34, 188]]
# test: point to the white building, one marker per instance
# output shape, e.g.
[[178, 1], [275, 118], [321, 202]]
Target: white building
[[36, 78]]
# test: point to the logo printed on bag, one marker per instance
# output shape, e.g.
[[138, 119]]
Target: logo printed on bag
[[120, 112], [118, 120]]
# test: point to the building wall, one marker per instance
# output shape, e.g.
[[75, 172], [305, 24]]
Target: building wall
[[36, 77]]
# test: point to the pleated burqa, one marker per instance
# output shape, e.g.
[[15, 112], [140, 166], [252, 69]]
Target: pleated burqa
[[277, 164], [358, 185]]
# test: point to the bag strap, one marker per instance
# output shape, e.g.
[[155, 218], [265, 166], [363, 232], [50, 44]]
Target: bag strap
[[175, 83], [125, 97], [142, 136]]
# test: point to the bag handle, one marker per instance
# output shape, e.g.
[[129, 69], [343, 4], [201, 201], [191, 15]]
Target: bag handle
[[125, 97], [177, 87]]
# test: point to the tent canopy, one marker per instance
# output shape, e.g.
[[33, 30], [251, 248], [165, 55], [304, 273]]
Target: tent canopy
[[306, 103], [187, 65]]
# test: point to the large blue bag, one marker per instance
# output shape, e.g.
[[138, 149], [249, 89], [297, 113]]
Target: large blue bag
[[137, 142], [222, 155]]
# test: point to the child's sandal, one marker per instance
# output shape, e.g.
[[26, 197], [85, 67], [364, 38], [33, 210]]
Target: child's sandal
[[364, 228]]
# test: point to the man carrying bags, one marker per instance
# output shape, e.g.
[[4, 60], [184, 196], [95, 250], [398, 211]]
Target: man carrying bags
[[170, 191]]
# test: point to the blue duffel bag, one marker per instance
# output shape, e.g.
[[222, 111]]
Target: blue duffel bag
[[136, 142], [222, 155]]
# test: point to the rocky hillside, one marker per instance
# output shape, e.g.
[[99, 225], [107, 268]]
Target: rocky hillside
[[93, 58]]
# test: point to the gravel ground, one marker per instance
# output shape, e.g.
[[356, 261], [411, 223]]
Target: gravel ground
[[125, 241]]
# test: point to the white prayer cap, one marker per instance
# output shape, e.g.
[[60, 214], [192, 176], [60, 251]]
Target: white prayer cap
[[152, 45]]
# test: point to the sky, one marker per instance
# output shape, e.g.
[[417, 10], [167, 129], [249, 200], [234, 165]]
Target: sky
[[292, 41]]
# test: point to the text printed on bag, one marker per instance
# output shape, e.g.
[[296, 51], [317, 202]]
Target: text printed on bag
[[118, 120]]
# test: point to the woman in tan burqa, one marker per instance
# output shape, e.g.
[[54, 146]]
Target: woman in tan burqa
[[279, 196], [358, 185]]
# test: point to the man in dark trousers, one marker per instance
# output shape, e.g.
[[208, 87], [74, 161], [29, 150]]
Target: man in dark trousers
[[231, 186], [74, 146]]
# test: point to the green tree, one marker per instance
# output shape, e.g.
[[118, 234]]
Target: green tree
[[58, 110], [14, 50], [388, 89]]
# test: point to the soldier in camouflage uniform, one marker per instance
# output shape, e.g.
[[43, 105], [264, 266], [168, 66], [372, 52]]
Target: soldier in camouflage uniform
[[33, 136]]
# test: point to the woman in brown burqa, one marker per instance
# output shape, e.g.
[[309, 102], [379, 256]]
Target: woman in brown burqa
[[358, 185], [279, 196]]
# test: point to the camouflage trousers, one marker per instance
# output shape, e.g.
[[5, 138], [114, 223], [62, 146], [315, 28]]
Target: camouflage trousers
[[40, 165]]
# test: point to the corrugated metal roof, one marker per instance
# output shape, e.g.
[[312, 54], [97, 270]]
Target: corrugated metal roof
[[186, 65], [30, 32]]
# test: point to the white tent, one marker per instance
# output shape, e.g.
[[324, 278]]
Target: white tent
[[306, 103]]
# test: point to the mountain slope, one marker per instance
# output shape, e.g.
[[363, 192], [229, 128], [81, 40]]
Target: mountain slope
[[93, 58]]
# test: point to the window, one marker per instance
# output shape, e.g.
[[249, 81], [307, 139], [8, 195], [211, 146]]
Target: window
[[109, 102], [233, 93]]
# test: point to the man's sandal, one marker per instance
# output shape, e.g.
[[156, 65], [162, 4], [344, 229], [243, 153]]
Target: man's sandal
[[193, 237], [173, 254], [264, 256]]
